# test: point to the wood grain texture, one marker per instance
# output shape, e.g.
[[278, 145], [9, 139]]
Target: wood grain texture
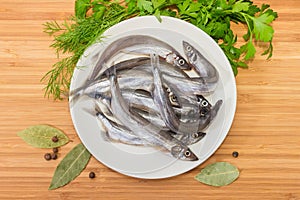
[[266, 128]]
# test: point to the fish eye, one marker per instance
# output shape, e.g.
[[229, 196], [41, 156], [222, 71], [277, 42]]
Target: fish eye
[[173, 98], [199, 100], [189, 48], [97, 96], [181, 62], [187, 153], [195, 135], [204, 103]]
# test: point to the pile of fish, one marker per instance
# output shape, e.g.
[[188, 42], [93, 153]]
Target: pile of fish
[[150, 99]]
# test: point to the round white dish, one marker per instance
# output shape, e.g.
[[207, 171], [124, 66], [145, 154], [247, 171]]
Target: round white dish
[[147, 162]]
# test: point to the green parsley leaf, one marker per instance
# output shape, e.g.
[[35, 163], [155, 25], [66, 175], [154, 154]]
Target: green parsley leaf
[[81, 7], [262, 30], [240, 6], [183, 7], [145, 5], [249, 50], [268, 51], [131, 6], [158, 3], [157, 15]]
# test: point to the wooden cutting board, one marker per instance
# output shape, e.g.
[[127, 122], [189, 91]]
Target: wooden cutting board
[[266, 128]]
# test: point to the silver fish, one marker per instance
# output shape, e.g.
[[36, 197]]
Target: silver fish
[[144, 63], [190, 86], [117, 133], [175, 79], [166, 110], [114, 128], [156, 120], [164, 53], [202, 66], [130, 80], [143, 104], [138, 77], [153, 118], [201, 120], [171, 75], [170, 54], [138, 100], [144, 101], [143, 129]]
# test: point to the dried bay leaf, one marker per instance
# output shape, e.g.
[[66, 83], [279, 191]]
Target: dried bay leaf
[[41, 136], [218, 174], [70, 167]]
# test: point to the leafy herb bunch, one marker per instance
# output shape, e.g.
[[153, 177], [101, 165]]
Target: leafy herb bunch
[[93, 17]]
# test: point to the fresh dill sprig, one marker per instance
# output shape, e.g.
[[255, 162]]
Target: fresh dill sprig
[[73, 37], [93, 17]]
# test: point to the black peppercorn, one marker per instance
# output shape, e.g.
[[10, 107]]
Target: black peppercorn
[[54, 139], [53, 156], [235, 154], [47, 156], [92, 175], [55, 150]]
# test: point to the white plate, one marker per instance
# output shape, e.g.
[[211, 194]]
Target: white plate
[[146, 162]]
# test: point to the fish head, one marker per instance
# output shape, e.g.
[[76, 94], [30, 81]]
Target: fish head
[[177, 60], [172, 98], [189, 52], [192, 138], [207, 115], [183, 153], [196, 137], [204, 105], [181, 62]]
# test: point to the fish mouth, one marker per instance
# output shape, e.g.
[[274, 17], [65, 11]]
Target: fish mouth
[[198, 136], [187, 66], [187, 48], [185, 45]]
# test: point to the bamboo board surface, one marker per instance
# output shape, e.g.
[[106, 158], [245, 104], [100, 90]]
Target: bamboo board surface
[[266, 128]]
